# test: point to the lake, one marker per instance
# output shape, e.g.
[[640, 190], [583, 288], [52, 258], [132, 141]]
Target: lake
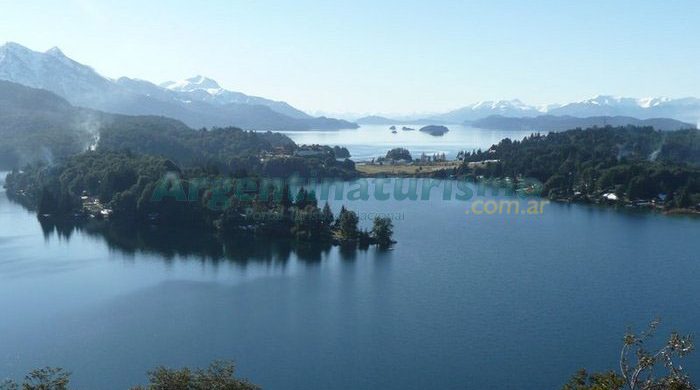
[[462, 301], [371, 141]]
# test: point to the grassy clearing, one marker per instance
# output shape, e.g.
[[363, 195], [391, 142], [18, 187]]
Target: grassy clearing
[[404, 169]]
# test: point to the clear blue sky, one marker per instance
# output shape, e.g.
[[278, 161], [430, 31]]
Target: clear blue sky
[[397, 56]]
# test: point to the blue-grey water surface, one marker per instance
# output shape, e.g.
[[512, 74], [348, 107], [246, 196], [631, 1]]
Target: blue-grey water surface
[[462, 301]]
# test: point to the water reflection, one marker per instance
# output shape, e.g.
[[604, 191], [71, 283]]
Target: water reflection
[[170, 243]]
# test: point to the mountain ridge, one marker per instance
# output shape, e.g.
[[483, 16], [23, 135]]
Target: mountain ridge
[[208, 90], [547, 123], [682, 109], [685, 109], [82, 86]]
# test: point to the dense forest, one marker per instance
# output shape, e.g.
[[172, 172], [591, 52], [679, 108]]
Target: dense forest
[[636, 164], [226, 150], [133, 188]]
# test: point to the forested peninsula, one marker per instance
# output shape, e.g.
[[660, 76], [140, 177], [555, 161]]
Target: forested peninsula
[[625, 166]]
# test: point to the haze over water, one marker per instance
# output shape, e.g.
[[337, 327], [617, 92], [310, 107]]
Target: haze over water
[[371, 141]]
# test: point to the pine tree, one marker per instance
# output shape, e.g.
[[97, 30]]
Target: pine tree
[[327, 215], [286, 197], [347, 224], [684, 200], [302, 198], [383, 231]]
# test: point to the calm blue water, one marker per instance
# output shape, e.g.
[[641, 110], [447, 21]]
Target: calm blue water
[[371, 141], [463, 301]]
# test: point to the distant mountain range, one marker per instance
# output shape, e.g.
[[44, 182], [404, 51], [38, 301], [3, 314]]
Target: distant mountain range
[[547, 123], [685, 110], [202, 102], [376, 120], [509, 108], [198, 101]]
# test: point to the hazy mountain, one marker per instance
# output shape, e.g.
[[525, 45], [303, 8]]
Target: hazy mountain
[[199, 102], [376, 120], [200, 88], [38, 125], [547, 123], [601, 105], [685, 109], [510, 108], [55, 72]]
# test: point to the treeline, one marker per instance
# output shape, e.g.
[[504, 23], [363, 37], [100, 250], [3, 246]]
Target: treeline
[[112, 178], [635, 164], [134, 188], [226, 150], [219, 375], [220, 146]]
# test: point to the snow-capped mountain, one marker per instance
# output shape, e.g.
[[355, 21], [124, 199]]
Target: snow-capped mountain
[[55, 72], [601, 105], [652, 101], [196, 83], [200, 88], [199, 102], [685, 109], [504, 107], [508, 108]]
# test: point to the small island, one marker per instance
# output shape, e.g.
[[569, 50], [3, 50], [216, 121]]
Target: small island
[[435, 130]]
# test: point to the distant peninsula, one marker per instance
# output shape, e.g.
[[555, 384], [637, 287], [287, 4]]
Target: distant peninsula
[[376, 120]]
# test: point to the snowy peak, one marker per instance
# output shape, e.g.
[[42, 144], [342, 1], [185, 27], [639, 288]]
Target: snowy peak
[[502, 105], [618, 101], [652, 101], [13, 51], [56, 52], [204, 89], [12, 47], [192, 84], [27, 55], [509, 108], [12, 54], [606, 100], [685, 109], [52, 71]]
